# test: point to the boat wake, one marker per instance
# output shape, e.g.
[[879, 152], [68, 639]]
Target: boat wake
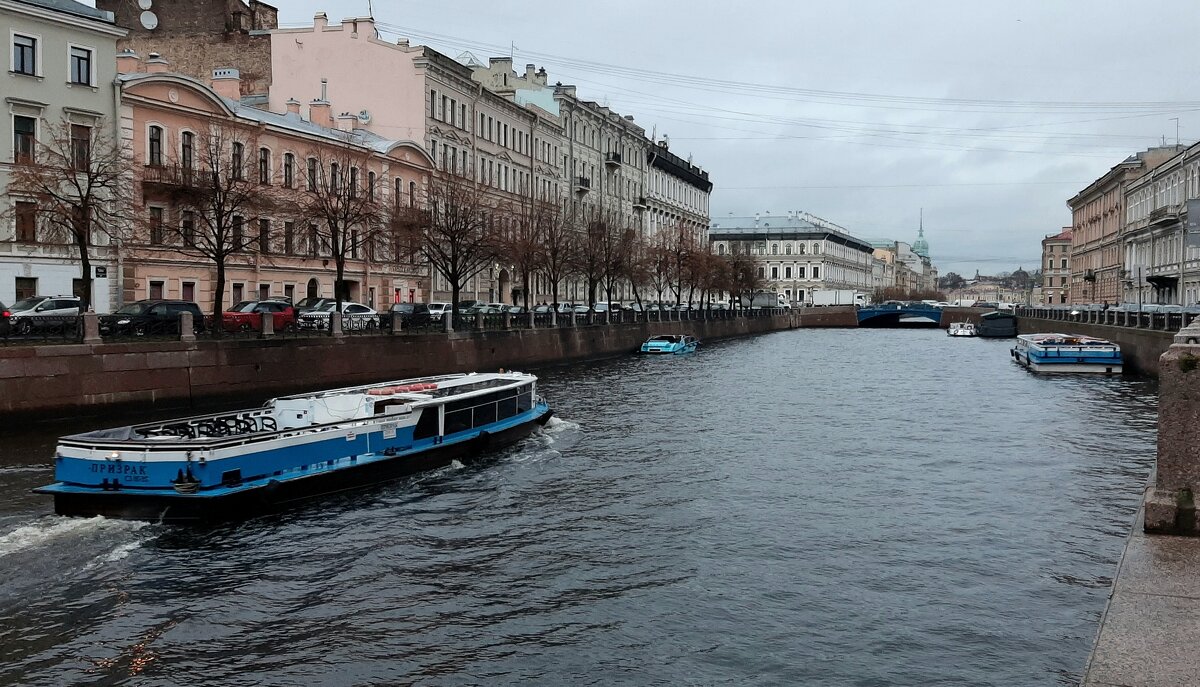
[[116, 554], [557, 425], [51, 529], [7, 469]]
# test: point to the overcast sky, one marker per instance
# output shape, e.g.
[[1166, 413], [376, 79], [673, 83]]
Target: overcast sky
[[862, 112]]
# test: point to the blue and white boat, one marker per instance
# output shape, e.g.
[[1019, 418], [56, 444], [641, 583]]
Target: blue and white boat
[[670, 343], [227, 465], [1067, 353]]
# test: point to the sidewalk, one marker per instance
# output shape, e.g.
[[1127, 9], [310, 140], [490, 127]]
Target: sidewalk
[[1150, 632]]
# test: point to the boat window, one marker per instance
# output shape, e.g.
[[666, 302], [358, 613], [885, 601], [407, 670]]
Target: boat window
[[458, 421], [524, 400], [427, 425], [484, 415]]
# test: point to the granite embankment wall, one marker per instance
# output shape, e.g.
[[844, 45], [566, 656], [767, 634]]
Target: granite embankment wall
[[1141, 348], [57, 380]]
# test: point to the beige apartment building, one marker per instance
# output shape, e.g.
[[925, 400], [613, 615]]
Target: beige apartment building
[[1056, 268], [1097, 223]]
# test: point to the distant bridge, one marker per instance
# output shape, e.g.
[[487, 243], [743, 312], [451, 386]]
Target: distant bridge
[[900, 315]]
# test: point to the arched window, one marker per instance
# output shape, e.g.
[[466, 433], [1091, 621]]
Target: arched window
[[155, 151], [800, 249], [787, 249], [720, 249], [816, 249], [371, 186], [312, 174], [333, 177], [774, 249], [314, 288], [412, 193], [289, 170]]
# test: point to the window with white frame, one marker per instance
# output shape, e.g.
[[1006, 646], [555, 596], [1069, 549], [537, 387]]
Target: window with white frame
[[82, 65], [25, 54]]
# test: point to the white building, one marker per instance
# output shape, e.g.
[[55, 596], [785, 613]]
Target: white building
[[1155, 233], [61, 58], [677, 193], [798, 253]]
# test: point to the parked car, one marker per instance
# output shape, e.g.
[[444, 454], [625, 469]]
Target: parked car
[[247, 316], [543, 309], [5, 327], [42, 312], [436, 310], [581, 309], [312, 303], [151, 317], [564, 308], [463, 305], [515, 309], [411, 315], [355, 317]]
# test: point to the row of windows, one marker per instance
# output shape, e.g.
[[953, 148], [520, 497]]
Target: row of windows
[[800, 272], [314, 171], [761, 249], [449, 110], [27, 59]]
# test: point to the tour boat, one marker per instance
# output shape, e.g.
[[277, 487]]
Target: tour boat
[[961, 329], [230, 464], [1067, 353], [670, 343]]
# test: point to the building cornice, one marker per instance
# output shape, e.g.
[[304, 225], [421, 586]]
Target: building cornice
[[67, 20]]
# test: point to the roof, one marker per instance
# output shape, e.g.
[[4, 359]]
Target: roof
[[72, 7], [1064, 235], [791, 226], [289, 120]]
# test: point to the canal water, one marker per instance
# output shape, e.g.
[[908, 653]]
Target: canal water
[[847, 507]]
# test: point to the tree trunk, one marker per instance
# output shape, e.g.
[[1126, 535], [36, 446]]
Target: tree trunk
[[218, 297], [455, 290], [85, 269], [339, 281]]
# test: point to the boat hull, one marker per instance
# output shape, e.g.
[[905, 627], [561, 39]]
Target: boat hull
[[278, 495]]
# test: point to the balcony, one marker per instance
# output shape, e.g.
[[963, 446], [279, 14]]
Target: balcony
[[612, 159], [583, 184], [1165, 215], [169, 176], [640, 203]]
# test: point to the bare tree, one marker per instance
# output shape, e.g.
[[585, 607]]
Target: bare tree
[[342, 198], [588, 256], [558, 245], [75, 186], [222, 205], [456, 232], [638, 265], [615, 239], [744, 277], [522, 242]]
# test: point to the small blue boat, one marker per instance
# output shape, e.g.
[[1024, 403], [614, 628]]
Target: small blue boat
[[228, 465], [1067, 353], [670, 343]]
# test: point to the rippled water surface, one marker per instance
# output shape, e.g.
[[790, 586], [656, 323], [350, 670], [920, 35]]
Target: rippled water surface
[[851, 507]]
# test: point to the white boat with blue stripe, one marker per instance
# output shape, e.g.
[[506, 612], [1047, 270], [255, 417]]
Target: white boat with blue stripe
[[1067, 353], [670, 343], [228, 465]]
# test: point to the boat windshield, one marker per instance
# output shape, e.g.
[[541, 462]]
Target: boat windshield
[[669, 338]]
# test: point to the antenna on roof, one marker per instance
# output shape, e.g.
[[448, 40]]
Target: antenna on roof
[[370, 10]]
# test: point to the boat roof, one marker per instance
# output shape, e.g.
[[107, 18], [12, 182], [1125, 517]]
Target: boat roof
[[997, 314], [1066, 339]]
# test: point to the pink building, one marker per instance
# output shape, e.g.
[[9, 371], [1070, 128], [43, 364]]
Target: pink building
[[168, 121]]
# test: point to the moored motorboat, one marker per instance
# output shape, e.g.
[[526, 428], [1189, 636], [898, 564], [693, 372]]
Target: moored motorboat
[[226, 465], [997, 325], [1067, 353], [670, 343], [961, 329]]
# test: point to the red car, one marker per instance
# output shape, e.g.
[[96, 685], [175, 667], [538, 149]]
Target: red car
[[247, 316]]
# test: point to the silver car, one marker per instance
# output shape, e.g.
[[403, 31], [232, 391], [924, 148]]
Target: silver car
[[43, 312]]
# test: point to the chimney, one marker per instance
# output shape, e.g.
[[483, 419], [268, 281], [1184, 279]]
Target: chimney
[[320, 21], [293, 106], [227, 82], [365, 26], [156, 64], [541, 77], [529, 72], [319, 113], [345, 121], [128, 62]]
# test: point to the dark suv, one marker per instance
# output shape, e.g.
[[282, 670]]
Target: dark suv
[[412, 315], [5, 327], [150, 317]]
